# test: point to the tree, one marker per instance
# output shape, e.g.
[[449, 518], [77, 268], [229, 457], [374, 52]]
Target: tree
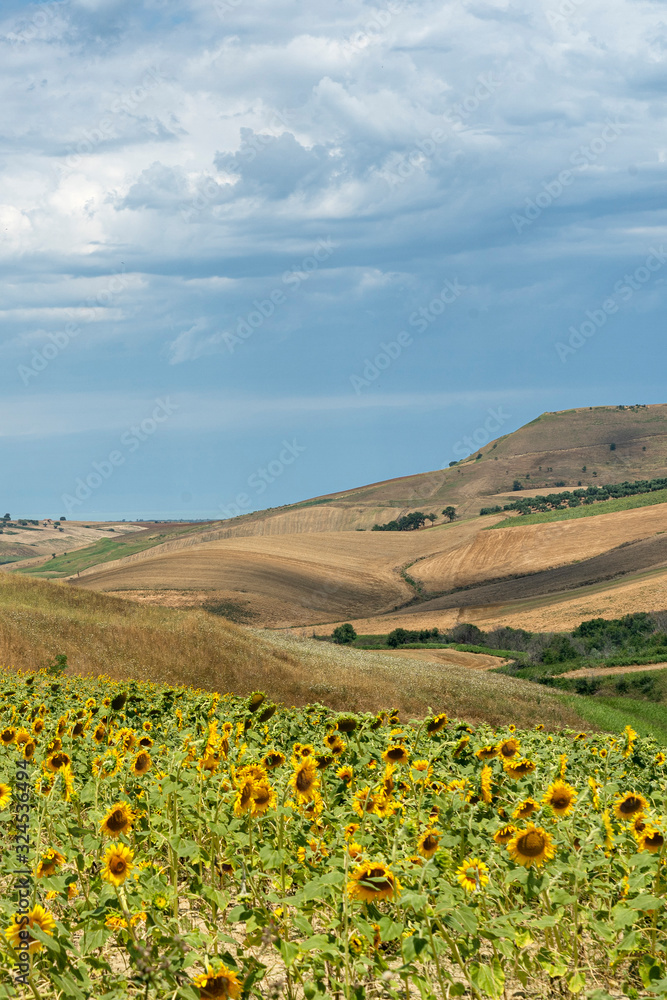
[[432, 517], [344, 634], [517, 485], [7, 517], [450, 513]]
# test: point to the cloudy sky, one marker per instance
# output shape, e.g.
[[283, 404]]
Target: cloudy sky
[[321, 240]]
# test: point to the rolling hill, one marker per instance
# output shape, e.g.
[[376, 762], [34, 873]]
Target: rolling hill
[[317, 561]]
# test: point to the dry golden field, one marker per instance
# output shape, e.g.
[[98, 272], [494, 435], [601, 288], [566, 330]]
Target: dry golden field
[[106, 635], [308, 579]]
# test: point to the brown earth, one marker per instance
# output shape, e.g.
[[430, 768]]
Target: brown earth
[[604, 671], [310, 579]]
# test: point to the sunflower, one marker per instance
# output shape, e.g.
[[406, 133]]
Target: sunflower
[[38, 726], [8, 735], [651, 839], [372, 881], [525, 808], [5, 795], [519, 768], [608, 832], [57, 761], [22, 737], [345, 774], [29, 750], [505, 833], [273, 759], [428, 843], [420, 765], [145, 743], [486, 784], [117, 864], [508, 748], [362, 801], [118, 820], [603, 752], [487, 752], [263, 798], [659, 759], [436, 723], [244, 796], [383, 804], [305, 782], [630, 738], [256, 699], [218, 984], [142, 763], [395, 754], [50, 863], [532, 846], [629, 805], [100, 733], [461, 746], [347, 724], [68, 781], [561, 797], [473, 874], [37, 917]]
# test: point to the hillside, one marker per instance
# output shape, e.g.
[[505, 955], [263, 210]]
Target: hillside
[[122, 640], [317, 562]]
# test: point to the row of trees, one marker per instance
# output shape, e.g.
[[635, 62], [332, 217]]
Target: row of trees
[[411, 522], [575, 498]]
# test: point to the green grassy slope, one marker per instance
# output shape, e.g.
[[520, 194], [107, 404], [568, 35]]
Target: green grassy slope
[[106, 550], [592, 510]]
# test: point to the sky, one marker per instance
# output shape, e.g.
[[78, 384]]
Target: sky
[[254, 251]]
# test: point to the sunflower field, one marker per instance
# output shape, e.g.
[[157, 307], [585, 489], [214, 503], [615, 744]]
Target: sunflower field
[[176, 843]]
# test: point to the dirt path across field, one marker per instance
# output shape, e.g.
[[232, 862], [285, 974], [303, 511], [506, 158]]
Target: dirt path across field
[[603, 671], [447, 657]]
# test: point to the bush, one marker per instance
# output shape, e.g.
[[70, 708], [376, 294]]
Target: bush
[[344, 634]]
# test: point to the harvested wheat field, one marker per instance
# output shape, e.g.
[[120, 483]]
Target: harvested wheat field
[[331, 573], [514, 551], [552, 613]]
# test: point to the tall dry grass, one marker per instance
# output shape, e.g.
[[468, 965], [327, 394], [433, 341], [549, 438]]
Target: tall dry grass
[[101, 634]]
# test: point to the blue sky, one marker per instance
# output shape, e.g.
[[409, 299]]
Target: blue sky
[[322, 240]]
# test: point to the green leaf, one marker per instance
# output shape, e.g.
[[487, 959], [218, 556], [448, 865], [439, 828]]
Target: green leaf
[[316, 941], [289, 951], [413, 946], [576, 982], [650, 971], [645, 902], [415, 900], [463, 920], [489, 979], [390, 929]]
